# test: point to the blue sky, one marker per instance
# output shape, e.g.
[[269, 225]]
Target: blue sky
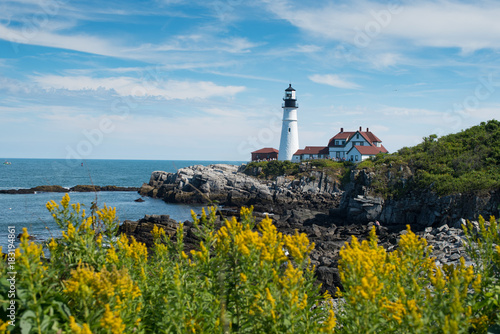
[[203, 80]]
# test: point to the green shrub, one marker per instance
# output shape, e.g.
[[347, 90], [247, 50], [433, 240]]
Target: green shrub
[[240, 280], [403, 291], [243, 278], [483, 246], [271, 169], [468, 161]]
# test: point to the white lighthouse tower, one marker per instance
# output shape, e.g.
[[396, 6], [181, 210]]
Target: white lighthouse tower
[[289, 143]]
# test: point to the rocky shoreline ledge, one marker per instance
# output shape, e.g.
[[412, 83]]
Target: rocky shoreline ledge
[[316, 205], [59, 189]]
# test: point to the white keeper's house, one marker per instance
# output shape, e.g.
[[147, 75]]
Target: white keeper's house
[[353, 146]]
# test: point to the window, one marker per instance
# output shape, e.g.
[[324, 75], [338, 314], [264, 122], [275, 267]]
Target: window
[[356, 157], [288, 129], [357, 136]]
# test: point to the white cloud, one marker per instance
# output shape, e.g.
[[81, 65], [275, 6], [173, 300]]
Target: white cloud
[[384, 60], [425, 23], [128, 86], [82, 43], [333, 80], [309, 48]]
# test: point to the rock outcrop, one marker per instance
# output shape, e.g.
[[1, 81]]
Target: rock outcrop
[[419, 208], [226, 185], [59, 189]]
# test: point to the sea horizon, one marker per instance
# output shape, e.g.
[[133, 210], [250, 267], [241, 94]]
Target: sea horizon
[[28, 210]]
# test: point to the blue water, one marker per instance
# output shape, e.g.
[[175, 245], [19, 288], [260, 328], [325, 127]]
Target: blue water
[[29, 210]]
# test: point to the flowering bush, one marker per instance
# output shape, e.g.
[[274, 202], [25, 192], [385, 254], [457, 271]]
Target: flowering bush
[[483, 246], [242, 278], [403, 291], [239, 280]]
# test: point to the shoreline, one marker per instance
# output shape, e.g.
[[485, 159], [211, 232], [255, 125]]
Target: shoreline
[[60, 189]]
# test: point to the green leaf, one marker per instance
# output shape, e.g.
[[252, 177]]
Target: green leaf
[[26, 321]]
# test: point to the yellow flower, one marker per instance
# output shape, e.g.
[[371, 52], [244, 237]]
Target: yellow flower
[[51, 205], [298, 245], [243, 277], [270, 298], [329, 323], [107, 214], [3, 326], [158, 233], [112, 321], [99, 240], [70, 233], [111, 256], [52, 244], [76, 329], [65, 201]]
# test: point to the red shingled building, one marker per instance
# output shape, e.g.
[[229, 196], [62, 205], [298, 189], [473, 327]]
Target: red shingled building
[[345, 145], [267, 153]]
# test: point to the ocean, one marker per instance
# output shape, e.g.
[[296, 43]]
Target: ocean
[[28, 210]]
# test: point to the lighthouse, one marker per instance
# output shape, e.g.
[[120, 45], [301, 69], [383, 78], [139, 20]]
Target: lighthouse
[[289, 143]]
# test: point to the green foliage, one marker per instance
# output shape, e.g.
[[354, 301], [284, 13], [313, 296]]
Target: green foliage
[[462, 162], [271, 169], [403, 291], [244, 278], [483, 246]]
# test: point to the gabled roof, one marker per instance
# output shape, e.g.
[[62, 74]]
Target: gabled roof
[[369, 150], [313, 150], [266, 150], [348, 135], [372, 137], [363, 134]]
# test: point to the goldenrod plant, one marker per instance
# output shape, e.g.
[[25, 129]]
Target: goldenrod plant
[[483, 246], [403, 291], [242, 278]]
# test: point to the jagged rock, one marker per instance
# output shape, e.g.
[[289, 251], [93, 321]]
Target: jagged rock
[[420, 209], [227, 185]]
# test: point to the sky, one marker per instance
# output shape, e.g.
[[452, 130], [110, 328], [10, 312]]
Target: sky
[[204, 80]]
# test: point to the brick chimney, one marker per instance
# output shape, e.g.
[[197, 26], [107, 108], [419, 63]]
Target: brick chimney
[[367, 130], [341, 129], [360, 128]]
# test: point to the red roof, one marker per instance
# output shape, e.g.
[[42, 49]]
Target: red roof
[[371, 136], [266, 150], [347, 135], [370, 150], [313, 150]]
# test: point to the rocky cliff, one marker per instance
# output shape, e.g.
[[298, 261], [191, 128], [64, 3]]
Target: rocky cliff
[[317, 197], [418, 208], [228, 186]]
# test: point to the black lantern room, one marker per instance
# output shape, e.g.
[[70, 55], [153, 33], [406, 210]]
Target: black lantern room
[[290, 100]]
